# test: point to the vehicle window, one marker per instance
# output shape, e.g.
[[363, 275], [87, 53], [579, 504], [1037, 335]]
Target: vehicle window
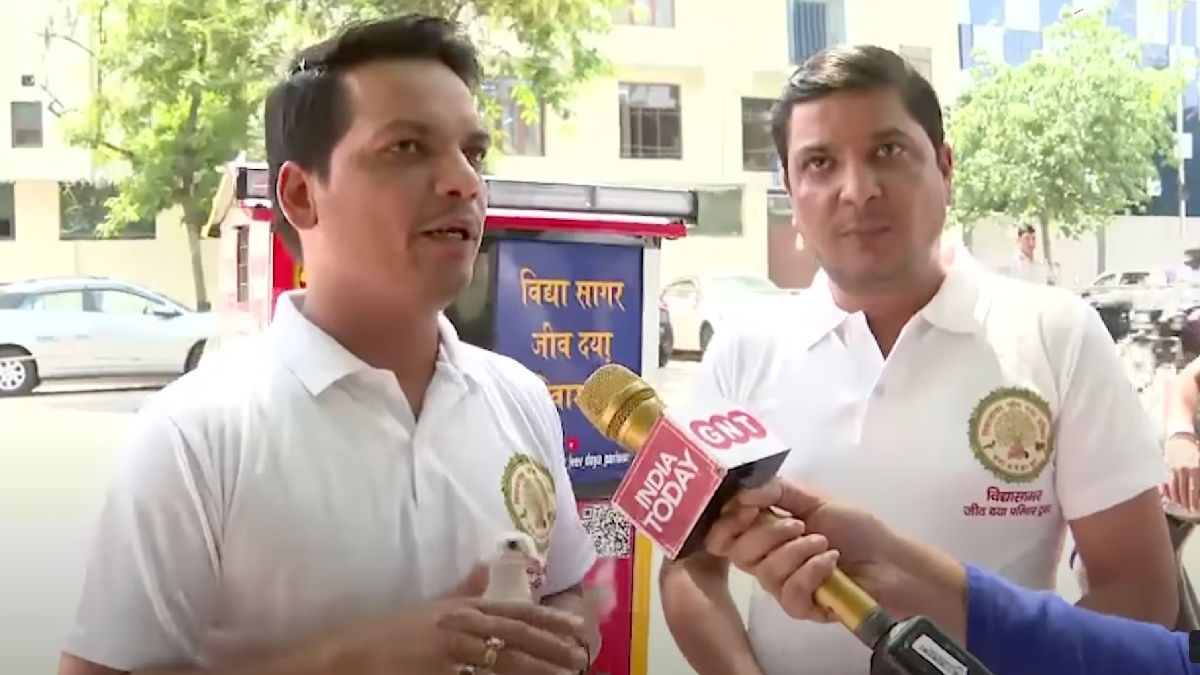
[[57, 301], [681, 289], [739, 284], [1134, 278], [1105, 280], [122, 302], [12, 300]]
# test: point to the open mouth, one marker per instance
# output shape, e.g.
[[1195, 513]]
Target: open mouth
[[450, 234]]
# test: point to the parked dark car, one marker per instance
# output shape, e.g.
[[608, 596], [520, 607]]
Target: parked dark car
[[666, 338], [1113, 295], [1166, 324]]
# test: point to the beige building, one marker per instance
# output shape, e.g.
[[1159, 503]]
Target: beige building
[[686, 105]]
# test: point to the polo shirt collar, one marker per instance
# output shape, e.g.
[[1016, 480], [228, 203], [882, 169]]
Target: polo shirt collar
[[958, 306], [319, 361]]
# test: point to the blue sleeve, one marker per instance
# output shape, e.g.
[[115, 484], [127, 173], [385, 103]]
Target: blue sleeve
[[1014, 631]]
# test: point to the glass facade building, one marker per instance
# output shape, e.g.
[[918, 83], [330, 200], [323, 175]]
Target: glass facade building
[[1013, 29]]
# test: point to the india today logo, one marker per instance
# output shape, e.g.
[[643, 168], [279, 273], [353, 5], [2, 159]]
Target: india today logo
[[667, 487], [722, 432]]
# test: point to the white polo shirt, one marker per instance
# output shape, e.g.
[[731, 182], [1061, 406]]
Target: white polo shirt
[[284, 489], [1002, 413]]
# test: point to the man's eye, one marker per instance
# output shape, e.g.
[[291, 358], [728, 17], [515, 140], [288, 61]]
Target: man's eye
[[816, 163], [476, 156], [889, 150], [405, 147]]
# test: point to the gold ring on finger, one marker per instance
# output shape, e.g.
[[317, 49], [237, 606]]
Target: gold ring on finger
[[491, 654]]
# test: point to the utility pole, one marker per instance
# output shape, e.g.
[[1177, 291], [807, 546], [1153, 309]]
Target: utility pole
[[1184, 153]]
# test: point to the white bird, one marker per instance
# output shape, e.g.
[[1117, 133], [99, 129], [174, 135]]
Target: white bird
[[515, 569]]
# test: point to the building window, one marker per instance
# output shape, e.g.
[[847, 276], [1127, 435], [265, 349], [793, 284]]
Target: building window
[[814, 25], [758, 148], [651, 125], [920, 58], [719, 213], [655, 13], [8, 212], [83, 208], [520, 131], [242, 261], [26, 124]]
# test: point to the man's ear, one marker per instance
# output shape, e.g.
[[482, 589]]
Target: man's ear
[[294, 195], [946, 163]]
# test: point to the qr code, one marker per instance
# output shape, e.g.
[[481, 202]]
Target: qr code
[[609, 528]]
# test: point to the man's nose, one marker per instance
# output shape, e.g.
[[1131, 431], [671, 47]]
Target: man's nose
[[860, 183], [458, 177]]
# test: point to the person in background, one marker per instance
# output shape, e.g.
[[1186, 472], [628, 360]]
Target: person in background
[[1011, 630], [983, 414], [1023, 265], [318, 501], [1181, 405]]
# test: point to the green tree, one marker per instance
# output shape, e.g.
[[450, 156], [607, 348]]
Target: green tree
[[543, 48], [1067, 139], [179, 85], [176, 85]]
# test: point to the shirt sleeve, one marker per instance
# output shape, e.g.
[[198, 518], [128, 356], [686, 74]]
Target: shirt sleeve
[[151, 573], [715, 378], [572, 553], [1108, 452], [1014, 631]]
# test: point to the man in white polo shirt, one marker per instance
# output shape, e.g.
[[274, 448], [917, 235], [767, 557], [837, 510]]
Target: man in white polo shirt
[[319, 500], [982, 414]]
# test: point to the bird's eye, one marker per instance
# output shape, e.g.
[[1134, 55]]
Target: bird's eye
[[512, 545]]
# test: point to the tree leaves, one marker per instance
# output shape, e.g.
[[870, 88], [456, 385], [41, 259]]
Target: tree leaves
[[180, 83], [1068, 138]]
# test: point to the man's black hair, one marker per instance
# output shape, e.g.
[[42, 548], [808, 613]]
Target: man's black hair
[[856, 68], [308, 112], [1025, 229]]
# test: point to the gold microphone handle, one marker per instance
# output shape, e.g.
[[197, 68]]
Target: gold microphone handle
[[839, 594]]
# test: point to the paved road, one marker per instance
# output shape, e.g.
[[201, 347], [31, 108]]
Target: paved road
[[55, 459]]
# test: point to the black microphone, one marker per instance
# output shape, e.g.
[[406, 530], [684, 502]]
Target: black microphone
[[687, 468]]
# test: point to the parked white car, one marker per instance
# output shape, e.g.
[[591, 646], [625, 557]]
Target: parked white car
[[93, 327], [699, 305]]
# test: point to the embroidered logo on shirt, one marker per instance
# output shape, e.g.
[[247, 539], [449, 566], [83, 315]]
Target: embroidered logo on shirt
[[1012, 434], [529, 496]]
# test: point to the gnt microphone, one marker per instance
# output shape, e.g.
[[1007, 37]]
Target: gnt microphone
[[688, 466]]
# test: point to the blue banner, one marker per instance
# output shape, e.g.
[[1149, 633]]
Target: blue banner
[[564, 309]]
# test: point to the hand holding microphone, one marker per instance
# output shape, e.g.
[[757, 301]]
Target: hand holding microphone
[[686, 473], [792, 566]]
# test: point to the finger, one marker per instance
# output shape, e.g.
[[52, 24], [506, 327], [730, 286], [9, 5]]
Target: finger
[[784, 494], [728, 528], [1179, 488], [1193, 480], [549, 619], [1170, 491], [527, 647], [474, 651], [797, 596], [779, 565], [748, 550]]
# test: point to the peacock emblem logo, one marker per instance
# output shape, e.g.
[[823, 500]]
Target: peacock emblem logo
[[530, 498], [1012, 434]]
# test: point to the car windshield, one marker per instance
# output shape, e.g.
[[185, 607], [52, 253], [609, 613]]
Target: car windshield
[[741, 286], [11, 300]]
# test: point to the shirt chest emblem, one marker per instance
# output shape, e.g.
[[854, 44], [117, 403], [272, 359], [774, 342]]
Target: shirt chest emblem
[[1011, 434], [529, 496]]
